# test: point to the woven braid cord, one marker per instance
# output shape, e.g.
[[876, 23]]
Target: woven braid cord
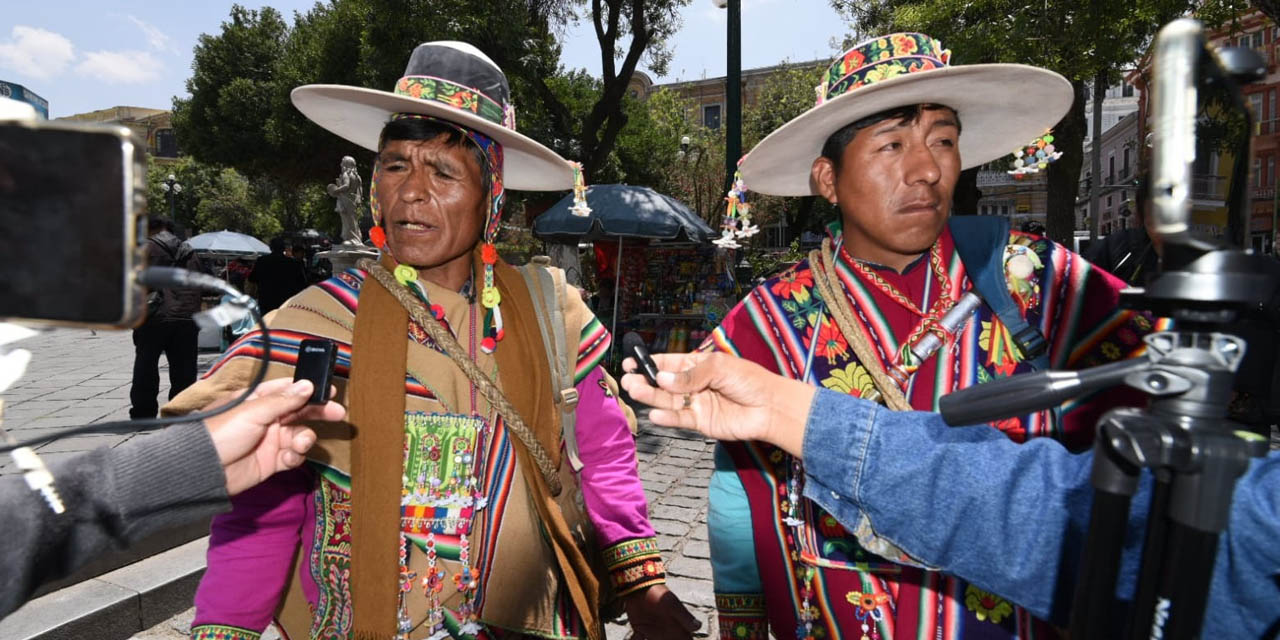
[[828, 283]]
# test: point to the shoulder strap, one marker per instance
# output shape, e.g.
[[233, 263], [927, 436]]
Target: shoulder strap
[[980, 241], [548, 290]]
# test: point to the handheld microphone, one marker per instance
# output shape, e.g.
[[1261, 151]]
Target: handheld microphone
[[633, 345]]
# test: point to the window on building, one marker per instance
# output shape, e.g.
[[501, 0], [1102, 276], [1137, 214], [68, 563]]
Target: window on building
[[711, 116], [1271, 171], [166, 144], [1255, 104], [1127, 91], [1257, 40], [1111, 169], [1004, 209], [1108, 202], [1124, 169], [1257, 172]]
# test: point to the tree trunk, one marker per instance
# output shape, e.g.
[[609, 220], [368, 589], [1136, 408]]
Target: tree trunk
[[1095, 157], [1064, 175]]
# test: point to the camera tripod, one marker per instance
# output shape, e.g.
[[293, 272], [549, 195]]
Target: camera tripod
[[1195, 452]]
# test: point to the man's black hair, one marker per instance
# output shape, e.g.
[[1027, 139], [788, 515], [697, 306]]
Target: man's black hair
[[156, 224], [277, 245], [833, 148], [421, 129]]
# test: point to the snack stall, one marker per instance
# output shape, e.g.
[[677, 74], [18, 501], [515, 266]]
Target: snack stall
[[655, 263]]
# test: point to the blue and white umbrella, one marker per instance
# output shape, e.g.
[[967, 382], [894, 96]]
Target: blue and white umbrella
[[228, 242]]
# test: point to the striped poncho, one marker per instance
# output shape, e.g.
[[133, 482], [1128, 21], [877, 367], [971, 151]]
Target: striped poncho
[[796, 572]]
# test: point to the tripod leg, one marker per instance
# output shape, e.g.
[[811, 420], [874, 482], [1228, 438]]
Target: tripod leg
[[1184, 589], [1153, 553], [1093, 612]]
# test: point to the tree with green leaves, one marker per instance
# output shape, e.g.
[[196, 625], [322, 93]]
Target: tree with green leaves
[[1087, 42], [239, 114]]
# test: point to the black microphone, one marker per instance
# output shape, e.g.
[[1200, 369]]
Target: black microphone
[[633, 345]]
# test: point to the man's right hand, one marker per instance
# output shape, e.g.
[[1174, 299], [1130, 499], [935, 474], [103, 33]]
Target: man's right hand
[[725, 398]]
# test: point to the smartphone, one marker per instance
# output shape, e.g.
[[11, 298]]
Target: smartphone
[[316, 359], [72, 208]]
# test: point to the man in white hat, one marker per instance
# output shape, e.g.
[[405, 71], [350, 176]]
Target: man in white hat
[[902, 304], [488, 475]]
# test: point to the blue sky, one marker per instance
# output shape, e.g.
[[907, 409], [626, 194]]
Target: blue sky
[[83, 55]]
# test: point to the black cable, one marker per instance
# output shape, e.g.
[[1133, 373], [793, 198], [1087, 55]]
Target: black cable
[[171, 278]]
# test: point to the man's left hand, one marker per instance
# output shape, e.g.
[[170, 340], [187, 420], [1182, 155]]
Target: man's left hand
[[657, 614]]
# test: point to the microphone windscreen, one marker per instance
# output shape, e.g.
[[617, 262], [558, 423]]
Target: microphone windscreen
[[630, 341]]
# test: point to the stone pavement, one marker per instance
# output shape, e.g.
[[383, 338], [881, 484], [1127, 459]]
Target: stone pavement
[[75, 377], [676, 468]]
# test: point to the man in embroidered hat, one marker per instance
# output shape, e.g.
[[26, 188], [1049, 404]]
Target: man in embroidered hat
[[902, 304], [491, 469]]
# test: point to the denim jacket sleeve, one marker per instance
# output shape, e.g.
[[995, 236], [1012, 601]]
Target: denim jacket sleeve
[[1011, 518]]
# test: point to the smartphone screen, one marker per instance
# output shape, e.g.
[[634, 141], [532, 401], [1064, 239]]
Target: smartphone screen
[[67, 233]]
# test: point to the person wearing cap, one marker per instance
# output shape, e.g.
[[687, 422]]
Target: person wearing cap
[[894, 125], [472, 496]]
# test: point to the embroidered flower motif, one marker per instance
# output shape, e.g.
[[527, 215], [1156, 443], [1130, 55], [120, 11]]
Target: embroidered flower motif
[[986, 605], [884, 72], [1111, 351], [903, 44], [830, 527], [867, 605], [853, 61], [794, 284], [853, 379], [995, 339], [1141, 322], [831, 343]]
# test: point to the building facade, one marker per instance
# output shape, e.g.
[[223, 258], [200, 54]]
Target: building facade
[[1210, 170], [708, 94], [155, 126]]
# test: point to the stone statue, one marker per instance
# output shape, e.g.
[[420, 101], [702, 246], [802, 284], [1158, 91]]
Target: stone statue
[[348, 191]]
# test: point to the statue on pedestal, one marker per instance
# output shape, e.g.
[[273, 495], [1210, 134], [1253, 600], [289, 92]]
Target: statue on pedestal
[[347, 189]]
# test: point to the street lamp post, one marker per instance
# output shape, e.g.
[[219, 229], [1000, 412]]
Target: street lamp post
[[733, 90], [171, 189], [687, 149]]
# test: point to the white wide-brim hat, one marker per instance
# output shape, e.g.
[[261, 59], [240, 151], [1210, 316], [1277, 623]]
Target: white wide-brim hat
[[1001, 107], [450, 80]]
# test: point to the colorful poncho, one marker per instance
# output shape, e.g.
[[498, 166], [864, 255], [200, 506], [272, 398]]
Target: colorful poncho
[[796, 572], [283, 552]]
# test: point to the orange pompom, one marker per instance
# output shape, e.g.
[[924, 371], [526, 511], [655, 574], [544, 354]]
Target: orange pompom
[[378, 237], [489, 253]]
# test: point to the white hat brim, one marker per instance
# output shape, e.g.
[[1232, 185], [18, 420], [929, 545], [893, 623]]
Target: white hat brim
[[358, 114], [1001, 108]]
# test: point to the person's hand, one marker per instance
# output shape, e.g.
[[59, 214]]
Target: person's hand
[[264, 436], [724, 397], [657, 614]]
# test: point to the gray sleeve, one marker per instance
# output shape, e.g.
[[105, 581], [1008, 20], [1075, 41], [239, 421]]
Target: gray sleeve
[[113, 498]]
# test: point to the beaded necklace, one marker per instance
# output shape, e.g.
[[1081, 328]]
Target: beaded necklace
[[450, 461]]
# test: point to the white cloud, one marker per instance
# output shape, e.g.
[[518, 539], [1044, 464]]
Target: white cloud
[[155, 37], [120, 67], [36, 52]]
